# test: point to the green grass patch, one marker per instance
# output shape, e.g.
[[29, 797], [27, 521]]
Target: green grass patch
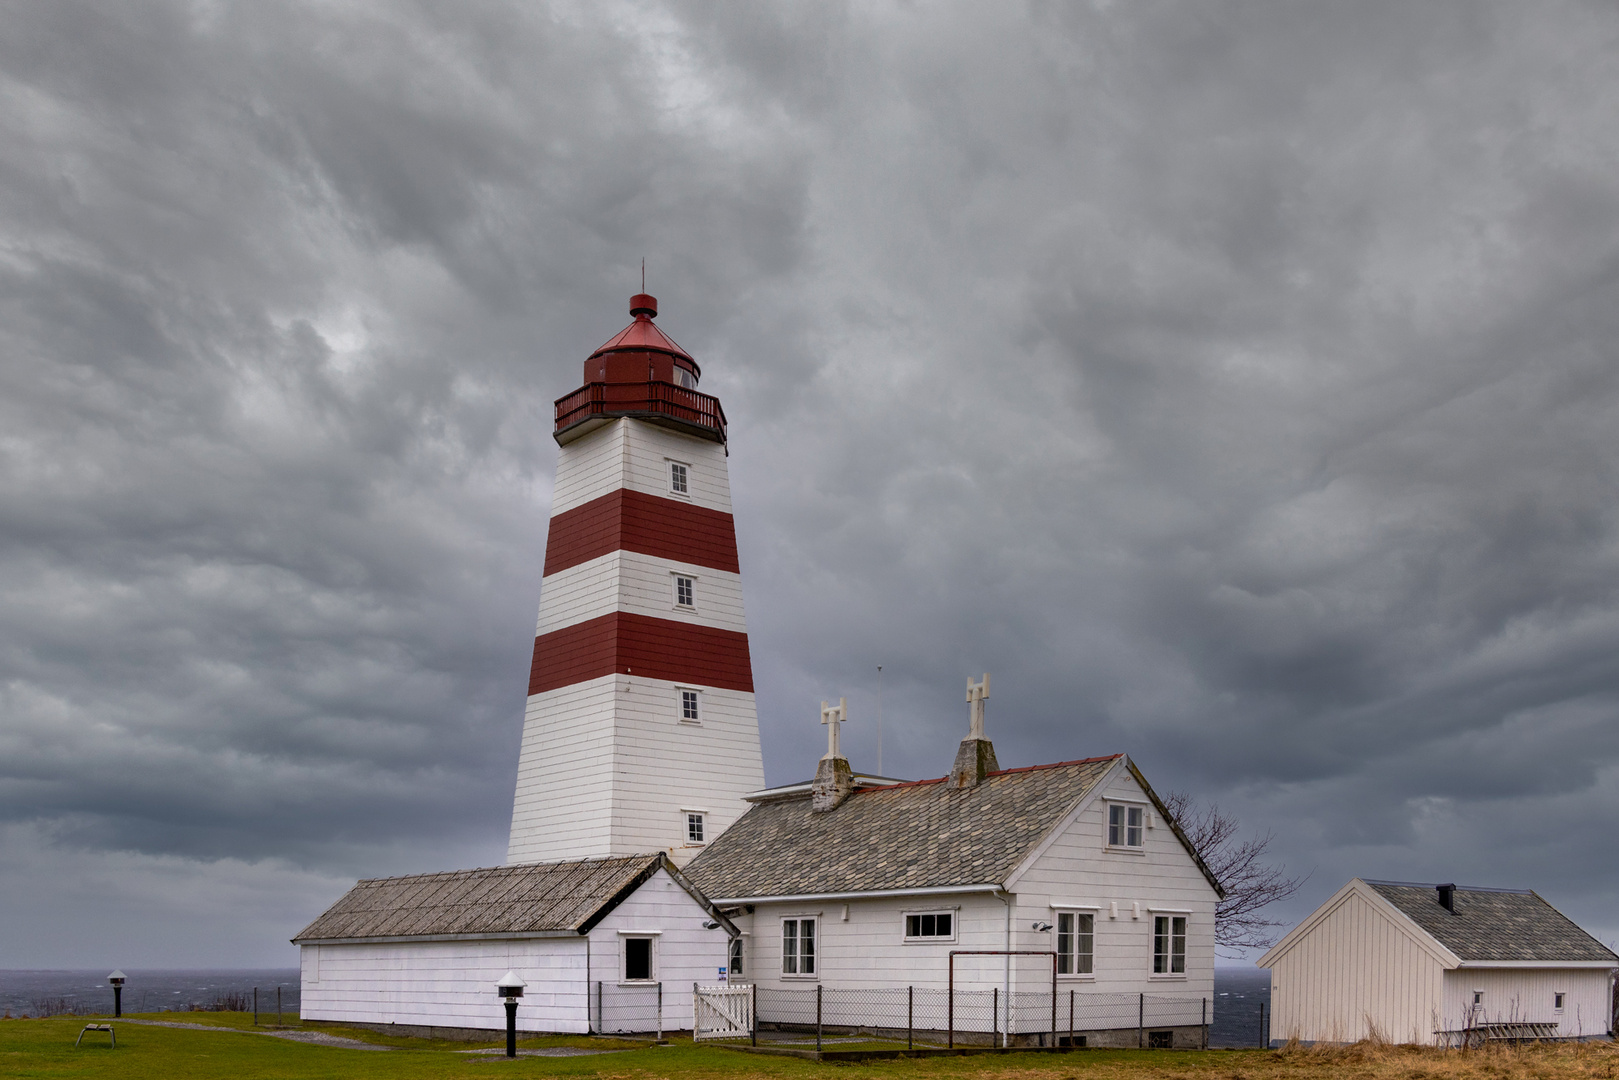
[[226, 1047]]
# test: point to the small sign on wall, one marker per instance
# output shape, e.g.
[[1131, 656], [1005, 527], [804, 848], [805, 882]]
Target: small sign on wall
[[722, 977]]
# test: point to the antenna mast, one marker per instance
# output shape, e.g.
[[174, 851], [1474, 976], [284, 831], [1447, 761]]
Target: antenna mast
[[880, 721]]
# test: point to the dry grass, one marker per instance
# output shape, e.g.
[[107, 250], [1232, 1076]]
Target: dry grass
[[1369, 1060]]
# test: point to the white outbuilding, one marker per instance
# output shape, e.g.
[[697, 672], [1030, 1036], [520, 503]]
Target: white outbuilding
[[597, 941], [1438, 965]]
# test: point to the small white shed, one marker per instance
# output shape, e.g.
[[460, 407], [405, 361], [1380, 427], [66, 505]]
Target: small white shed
[[611, 944], [1437, 965]]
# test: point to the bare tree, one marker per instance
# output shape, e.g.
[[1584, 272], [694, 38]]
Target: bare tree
[[1239, 865]]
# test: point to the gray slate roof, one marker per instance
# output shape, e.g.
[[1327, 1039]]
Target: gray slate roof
[[909, 836], [1494, 924], [537, 898]]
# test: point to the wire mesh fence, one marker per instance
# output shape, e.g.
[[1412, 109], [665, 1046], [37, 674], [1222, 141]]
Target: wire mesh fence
[[924, 1016], [622, 1010]]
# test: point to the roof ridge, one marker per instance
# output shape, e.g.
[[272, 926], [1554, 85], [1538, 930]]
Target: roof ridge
[[1055, 764], [997, 772], [427, 875], [1458, 888]]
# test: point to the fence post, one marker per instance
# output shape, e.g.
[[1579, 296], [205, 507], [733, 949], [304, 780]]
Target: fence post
[[994, 1013], [950, 1008], [1205, 1024], [1070, 1018], [255, 1006], [278, 1021], [1264, 1036], [755, 1033], [1053, 1001], [660, 1012], [817, 1018], [1141, 1023], [601, 1017], [910, 1017]]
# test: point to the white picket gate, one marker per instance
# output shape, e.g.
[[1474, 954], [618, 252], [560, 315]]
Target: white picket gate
[[722, 1012]]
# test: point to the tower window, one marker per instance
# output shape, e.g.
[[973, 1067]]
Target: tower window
[[677, 478], [688, 706], [694, 827], [685, 591]]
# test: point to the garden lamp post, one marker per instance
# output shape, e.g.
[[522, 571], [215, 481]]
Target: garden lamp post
[[510, 987], [116, 980]]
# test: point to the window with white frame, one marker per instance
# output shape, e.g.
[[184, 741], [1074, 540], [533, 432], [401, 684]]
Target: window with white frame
[[677, 478], [1169, 945], [798, 946], [1126, 825], [1557, 1002], [737, 958], [690, 707], [694, 827], [639, 956], [930, 926], [685, 591], [1076, 942]]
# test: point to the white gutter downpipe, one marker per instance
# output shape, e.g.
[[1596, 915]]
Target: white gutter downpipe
[[1006, 994]]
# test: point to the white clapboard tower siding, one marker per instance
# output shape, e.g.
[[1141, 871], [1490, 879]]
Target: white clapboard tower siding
[[641, 732], [1428, 964]]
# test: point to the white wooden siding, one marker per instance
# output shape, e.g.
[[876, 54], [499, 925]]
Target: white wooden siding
[[446, 983], [562, 808], [641, 585], [608, 767], [686, 953], [1355, 967], [1077, 868], [1529, 995], [634, 454]]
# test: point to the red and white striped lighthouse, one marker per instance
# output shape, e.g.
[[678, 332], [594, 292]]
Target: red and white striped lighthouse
[[641, 732]]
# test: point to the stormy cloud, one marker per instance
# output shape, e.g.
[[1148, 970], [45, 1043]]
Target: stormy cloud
[[1235, 381]]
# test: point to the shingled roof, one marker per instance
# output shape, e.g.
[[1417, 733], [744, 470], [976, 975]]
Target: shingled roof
[[536, 899], [926, 834], [1494, 924]]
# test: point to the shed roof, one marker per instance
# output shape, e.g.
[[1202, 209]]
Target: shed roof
[[538, 898], [925, 834], [1494, 924]]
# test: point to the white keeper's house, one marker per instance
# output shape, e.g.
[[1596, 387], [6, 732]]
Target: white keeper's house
[[1438, 965], [645, 853]]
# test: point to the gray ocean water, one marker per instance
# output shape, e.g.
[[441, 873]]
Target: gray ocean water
[[1238, 993]]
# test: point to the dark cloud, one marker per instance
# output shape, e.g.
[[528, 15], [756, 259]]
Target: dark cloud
[[1235, 382]]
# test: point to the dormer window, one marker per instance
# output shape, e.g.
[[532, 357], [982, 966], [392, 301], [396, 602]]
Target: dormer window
[[677, 479], [1125, 826]]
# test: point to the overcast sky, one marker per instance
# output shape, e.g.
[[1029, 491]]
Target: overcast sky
[[1236, 382]]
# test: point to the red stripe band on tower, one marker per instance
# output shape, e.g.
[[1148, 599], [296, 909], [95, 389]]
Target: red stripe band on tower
[[627, 644], [624, 520]]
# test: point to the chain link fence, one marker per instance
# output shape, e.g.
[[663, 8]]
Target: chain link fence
[[927, 1017]]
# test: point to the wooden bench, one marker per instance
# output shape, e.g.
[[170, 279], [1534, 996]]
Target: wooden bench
[[97, 1027]]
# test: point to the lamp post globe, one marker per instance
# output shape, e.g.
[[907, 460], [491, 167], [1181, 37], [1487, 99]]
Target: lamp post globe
[[510, 987], [116, 981]]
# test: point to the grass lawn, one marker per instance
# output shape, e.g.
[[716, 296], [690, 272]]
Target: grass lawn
[[44, 1048]]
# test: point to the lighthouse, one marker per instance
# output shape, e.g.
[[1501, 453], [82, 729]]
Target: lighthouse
[[640, 733]]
